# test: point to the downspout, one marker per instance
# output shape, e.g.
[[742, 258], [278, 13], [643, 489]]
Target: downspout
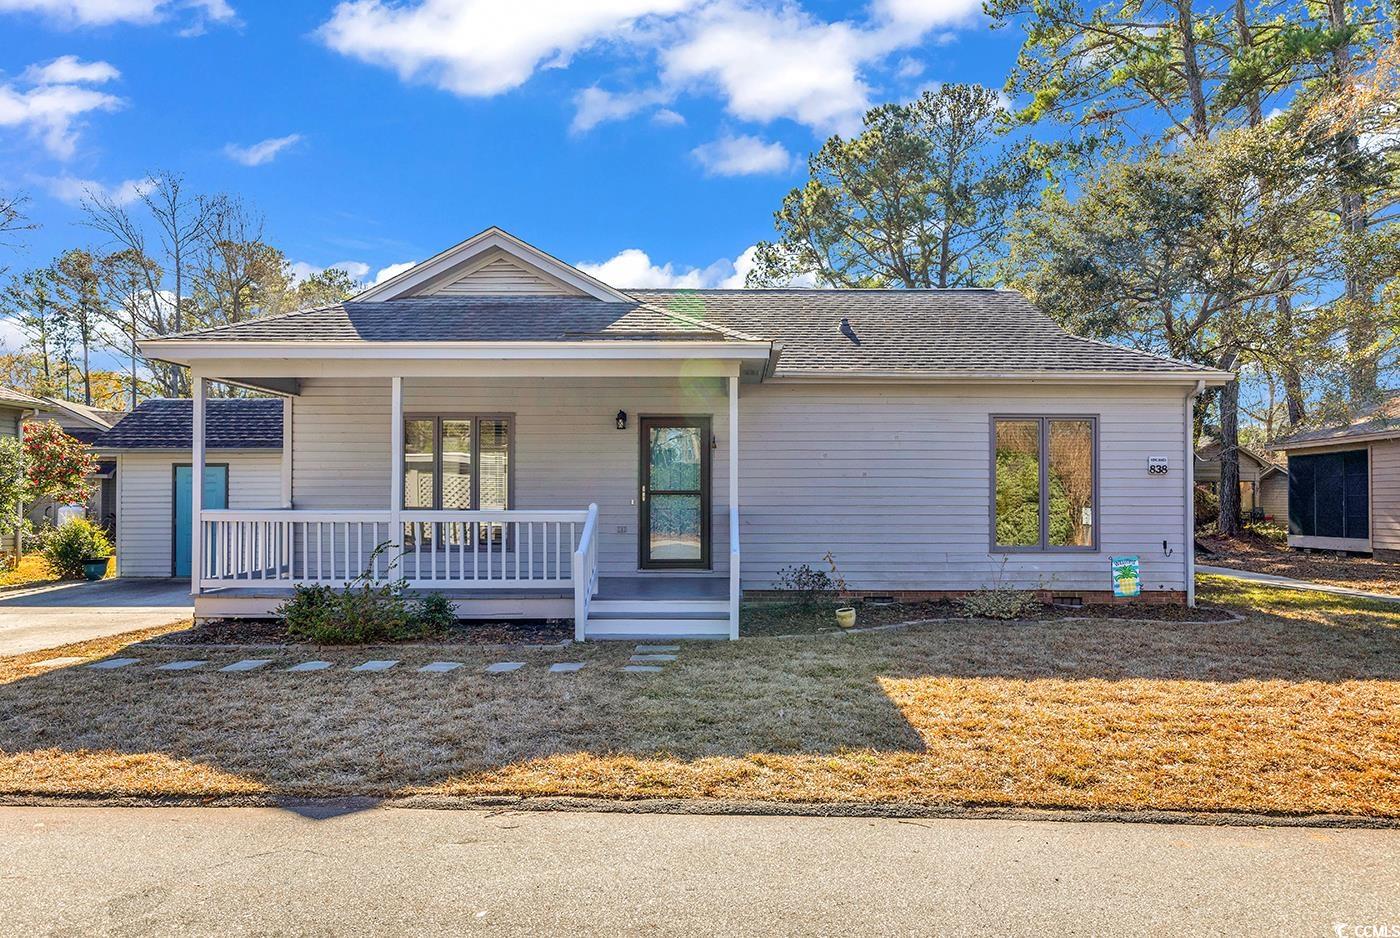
[[1190, 474]]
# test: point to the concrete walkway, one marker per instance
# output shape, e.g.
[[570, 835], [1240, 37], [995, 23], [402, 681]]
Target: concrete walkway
[[32, 620], [1289, 583], [236, 871]]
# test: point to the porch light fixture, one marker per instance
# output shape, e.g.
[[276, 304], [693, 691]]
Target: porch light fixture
[[622, 420]]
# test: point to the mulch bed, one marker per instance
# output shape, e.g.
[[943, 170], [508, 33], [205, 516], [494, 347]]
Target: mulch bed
[[1260, 556], [274, 632], [787, 618]]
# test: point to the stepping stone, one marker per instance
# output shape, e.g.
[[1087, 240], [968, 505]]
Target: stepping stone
[[111, 663], [438, 667], [641, 668], [180, 665], [642, 659], [310, 666], [646, 648], [55, 662], [378, 665], [566, 667], [247, 664], [501, 667]]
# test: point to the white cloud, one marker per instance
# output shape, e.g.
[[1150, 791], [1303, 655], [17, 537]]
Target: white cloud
[[50, 100], [478, 48], [768, 59], [107, 12], [70, 70], [264, 151], [74, 191], [356, 269], [665, 117], [393, 270], [633, 269], [743, 155]]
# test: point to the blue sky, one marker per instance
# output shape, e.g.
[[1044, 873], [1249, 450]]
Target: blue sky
[[377, 134]]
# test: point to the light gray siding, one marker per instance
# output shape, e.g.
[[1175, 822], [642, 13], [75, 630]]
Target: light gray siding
[[894, 480], [568, 453], [145, 501]]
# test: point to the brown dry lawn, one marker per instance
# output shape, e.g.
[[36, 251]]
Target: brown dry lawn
[[31, 570], [1261, 556], [1294, 710]]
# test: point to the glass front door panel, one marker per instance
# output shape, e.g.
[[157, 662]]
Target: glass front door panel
[[675, 468]]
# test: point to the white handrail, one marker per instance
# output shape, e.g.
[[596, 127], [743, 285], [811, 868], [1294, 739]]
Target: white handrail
[[734, 590], [585, 572]]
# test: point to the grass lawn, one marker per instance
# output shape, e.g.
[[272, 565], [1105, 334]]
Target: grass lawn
[[1294, 710], [32, 570], [1261, 556]]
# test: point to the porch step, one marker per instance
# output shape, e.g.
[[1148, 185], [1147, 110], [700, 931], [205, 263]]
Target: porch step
[[641, 611], [710, 606], [631, 629]]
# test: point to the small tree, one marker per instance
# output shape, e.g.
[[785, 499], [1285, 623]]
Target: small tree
[[58, 465], [13, 479]]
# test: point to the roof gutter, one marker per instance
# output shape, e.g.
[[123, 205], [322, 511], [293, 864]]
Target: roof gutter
[[185, 351], [1207, 378], [1285, 446]]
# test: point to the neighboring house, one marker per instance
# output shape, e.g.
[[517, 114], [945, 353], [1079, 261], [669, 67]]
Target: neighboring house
[[1263, 482], [150, 449], [1344, 484], [540, 444]]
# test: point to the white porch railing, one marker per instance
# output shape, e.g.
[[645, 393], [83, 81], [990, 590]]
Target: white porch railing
[[586, 563], [507, 549]]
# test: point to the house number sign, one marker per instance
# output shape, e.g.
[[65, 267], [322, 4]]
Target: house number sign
[[1156, 465]]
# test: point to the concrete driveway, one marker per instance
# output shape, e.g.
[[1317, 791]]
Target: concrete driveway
[[33, 620], [235, 871]]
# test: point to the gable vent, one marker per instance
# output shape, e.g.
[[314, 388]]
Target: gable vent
[[502, 276]]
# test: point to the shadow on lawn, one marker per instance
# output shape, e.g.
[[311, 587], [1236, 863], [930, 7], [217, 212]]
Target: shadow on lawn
[[140, 731]]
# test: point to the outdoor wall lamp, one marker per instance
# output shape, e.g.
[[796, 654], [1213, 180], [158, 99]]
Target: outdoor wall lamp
[[622, 420]]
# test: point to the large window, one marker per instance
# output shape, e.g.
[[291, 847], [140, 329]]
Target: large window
[[456, 462], [1329, 495], [1044, 480]]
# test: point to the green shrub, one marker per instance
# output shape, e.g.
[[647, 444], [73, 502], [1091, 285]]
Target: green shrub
[[1270, 531], [364, 613], [74, 543], [999, 604], [1207, 507]]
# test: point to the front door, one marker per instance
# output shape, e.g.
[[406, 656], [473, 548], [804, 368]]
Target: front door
[[215, 496], [675, 493]]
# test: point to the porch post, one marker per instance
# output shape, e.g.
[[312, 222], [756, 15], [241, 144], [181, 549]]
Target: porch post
[[287, 451], [396, 462], [734, 587], [199, 386]]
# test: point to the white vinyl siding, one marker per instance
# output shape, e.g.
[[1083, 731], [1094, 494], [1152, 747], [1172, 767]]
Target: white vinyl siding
[[895, 482], [568, 453], [501, 276], [145, 489]]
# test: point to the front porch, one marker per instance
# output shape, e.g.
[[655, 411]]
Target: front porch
[[498, 535]]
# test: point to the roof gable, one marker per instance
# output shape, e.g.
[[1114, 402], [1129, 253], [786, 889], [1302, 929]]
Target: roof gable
[[493, 263]]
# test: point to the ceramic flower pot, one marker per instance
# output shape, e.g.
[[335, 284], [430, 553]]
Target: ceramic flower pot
[[95, 568], [846, 617]]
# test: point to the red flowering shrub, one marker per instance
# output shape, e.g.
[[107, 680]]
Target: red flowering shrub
[[58, 464]]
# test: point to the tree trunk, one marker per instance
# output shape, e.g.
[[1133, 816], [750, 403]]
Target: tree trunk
[[1361, 329], [1191, 67], [1230, 455]]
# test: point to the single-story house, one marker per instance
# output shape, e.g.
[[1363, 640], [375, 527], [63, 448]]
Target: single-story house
[[537, 443], [1263, 482], [1344, 483], [151, 452]]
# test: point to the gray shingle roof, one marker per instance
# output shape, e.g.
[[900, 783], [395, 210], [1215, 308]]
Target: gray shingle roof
[[1381, 419], [230, 423], [12, 396], [907, 332], [892, 332]]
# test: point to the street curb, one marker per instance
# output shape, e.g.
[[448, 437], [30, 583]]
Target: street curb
[[330, 807]]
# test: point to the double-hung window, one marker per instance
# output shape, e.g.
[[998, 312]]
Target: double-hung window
[[457, 463], [1044, 483]]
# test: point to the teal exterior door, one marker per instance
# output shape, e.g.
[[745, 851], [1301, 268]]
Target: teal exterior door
[[215, 496]]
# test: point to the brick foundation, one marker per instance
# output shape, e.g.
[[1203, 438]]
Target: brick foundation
[[1389, 556], [1096, 597]]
